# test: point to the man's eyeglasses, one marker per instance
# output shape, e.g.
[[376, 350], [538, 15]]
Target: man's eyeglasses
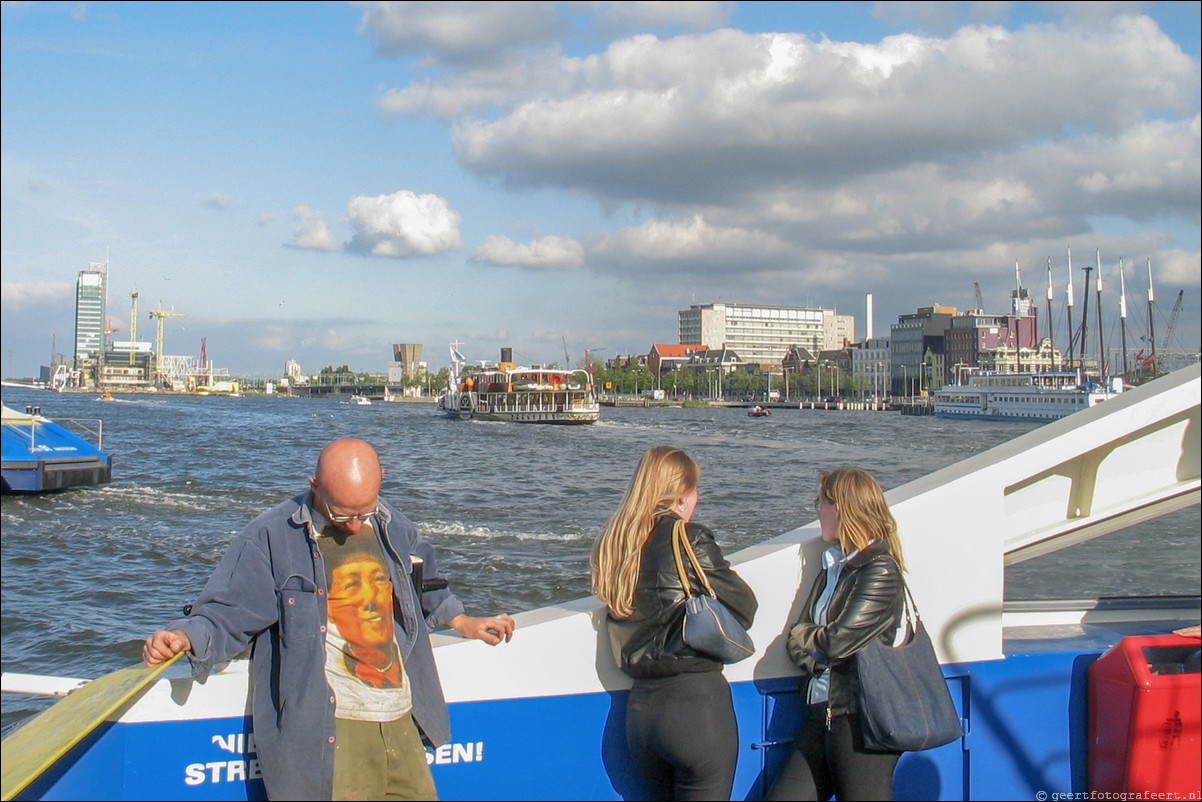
[[346, 519]]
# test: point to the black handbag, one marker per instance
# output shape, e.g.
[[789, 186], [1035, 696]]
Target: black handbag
[[905, 705], [709, 625]]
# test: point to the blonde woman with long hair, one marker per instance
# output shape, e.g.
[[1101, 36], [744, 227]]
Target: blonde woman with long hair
[[858, 597], [680, 722]]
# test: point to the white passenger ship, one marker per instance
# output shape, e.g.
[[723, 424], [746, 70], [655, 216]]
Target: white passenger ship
[[520, 394], [1004, 395]]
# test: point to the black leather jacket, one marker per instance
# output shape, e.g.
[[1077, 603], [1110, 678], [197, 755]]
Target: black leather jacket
[[867, 604], [649, 643]]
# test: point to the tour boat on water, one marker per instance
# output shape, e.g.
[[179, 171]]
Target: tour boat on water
[[508, 392], [1004, 395]]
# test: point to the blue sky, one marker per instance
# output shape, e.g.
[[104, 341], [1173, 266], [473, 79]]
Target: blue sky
[[316, 181]]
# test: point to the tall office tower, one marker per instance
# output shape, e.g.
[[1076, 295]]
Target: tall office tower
[[90, 292], [409, 355]]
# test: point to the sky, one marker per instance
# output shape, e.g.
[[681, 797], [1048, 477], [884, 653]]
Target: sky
[[317, 181]]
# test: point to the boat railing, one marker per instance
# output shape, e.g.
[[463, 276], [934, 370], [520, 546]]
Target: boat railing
[[27, 427], [534, 401]]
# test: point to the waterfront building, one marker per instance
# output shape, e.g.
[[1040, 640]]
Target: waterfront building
[[838, 331], [833, 371], [628, 361], [972, 334], [796, 364], [913, 340], [870, 366], [1045, 358], [127, 364], [667, 356], [91, 290], [407, 367], [761, 334], [715, 364], [409, 357]]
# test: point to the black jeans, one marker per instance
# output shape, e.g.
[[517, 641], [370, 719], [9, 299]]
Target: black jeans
[[826, 762], [682, 735]]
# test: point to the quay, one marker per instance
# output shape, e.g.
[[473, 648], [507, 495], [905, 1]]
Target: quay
[[917, 406]]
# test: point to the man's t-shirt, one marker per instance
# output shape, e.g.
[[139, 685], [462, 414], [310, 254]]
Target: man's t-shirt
[[363, 663]]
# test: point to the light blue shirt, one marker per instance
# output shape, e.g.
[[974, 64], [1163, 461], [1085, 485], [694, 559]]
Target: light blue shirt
[[833, 560]]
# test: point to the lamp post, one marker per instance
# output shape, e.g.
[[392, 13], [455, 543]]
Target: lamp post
[[905, 382]]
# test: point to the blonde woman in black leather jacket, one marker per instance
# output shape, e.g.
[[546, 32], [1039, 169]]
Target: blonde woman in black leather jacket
[[864, 602], [680, 722]]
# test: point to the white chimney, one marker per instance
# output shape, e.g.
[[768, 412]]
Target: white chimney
[[868, 318]]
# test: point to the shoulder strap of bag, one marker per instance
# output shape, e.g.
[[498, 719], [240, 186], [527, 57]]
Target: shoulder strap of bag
[[680, 540], [909, 607]]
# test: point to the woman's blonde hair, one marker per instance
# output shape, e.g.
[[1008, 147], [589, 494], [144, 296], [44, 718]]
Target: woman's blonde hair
[[664, 475], [863, 514]]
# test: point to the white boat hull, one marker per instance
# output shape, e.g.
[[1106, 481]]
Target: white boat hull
[[523, 407]]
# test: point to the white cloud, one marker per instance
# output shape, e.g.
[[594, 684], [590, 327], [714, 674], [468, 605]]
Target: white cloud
[[687, 245], [699, 117], [1174, 268], [622, 16], [459, 32], [548, 253], [311, 231], [17, 295], [464, 34], [403, 224], [218, 201]]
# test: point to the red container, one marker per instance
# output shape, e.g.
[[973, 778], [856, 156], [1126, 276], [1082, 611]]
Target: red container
[[1145, 702]]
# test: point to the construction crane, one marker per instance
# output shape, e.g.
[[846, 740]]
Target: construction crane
[[160, 314], [1176, 313], [133, 324]]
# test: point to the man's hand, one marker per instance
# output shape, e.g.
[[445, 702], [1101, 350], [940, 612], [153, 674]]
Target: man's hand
[[490, 630], [163, 645]]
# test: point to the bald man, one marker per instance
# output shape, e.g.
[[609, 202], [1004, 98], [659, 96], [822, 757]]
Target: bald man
[[323, 589]]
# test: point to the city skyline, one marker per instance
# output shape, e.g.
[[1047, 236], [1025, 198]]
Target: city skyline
[[319, 181]]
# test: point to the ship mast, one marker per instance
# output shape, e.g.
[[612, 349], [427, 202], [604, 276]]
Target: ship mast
[[1018, 321], [1123, 314], [1102, 367], [1051, 329], [1151, 317], [1069, 305], [1085, 317]]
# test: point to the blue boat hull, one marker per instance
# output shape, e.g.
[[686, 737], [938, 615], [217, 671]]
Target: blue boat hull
[[40, 456], [1025, 725]]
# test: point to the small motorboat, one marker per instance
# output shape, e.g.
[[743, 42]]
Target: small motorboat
[[759, 412]]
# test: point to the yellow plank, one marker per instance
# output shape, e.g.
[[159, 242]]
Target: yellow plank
[[35, 745]]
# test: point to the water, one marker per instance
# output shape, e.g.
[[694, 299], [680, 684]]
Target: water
[[512, 509]]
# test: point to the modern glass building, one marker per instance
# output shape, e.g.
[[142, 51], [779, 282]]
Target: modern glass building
[[90, 292]]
